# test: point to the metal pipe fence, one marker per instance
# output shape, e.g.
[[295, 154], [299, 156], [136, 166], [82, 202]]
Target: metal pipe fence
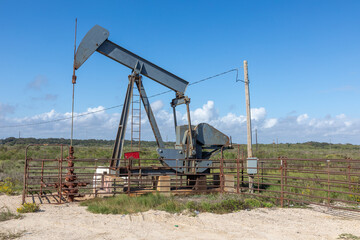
[[332, 183]]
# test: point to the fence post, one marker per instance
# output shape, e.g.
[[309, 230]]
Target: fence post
[[140, 171], [95, 180], [25, 176], [328, 182], [222, 172], [262, 172], [60, 171], [258, 177], [286, 171], [242, 169], [128, 169], [176, 175], [282, 184], [238, 171], [349, 173], [42, 177]]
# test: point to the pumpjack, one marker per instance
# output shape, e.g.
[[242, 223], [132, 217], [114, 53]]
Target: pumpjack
[[194, 144]]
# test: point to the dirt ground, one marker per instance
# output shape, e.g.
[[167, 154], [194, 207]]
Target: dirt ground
[[71, 221]]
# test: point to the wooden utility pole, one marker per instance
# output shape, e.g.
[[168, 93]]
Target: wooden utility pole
[[248, 121]]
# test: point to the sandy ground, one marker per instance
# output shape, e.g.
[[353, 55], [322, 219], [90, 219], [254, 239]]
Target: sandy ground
[[70, 221]]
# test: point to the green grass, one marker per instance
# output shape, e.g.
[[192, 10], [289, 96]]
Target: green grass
[[12, 154], [219, 204], [123, 204], [8, 215]]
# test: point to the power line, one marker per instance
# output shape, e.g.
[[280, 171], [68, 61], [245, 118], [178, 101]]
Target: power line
[[117, 106], [218, 75]]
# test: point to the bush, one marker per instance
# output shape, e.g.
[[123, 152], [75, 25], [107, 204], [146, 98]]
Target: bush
[[8, 186], [252, 203], [28, 208]]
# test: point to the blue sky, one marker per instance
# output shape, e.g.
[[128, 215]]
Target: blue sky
[[303, 65]]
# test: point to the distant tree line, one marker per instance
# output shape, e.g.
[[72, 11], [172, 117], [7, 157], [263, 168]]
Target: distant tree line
[[11, 141], [101, 142]]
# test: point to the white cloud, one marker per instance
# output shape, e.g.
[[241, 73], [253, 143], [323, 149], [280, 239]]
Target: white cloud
[[232, 119], [157, 105], [341, 116], [269, 123], [302, 118], [258, 114], [348, 123], [205, 114], [103, 125]]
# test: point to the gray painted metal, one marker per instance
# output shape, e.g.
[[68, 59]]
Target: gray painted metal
[[88, 45], [205, 137], [176, 154], [178, 101], [180, 133], [252, 165], [208, 135], [120, 136], [181, 164], [150, 114], [96, 40], [174, 115], [143, 66]]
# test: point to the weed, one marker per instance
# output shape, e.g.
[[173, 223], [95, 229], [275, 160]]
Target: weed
[[191, 205], [8, 215], [7, 186], [348, 236], [252, 203], [218, 204], [171, 206], [11, 235], [28, 208], [123, 204]]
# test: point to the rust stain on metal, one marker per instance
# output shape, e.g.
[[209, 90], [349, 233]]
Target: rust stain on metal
[[70, 187]]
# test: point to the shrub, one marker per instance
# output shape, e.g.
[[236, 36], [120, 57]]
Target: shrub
[[8, 186], [28, 208], [252, 203], [267, 205]]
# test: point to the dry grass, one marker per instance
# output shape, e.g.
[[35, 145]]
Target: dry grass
[[8, 215]]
